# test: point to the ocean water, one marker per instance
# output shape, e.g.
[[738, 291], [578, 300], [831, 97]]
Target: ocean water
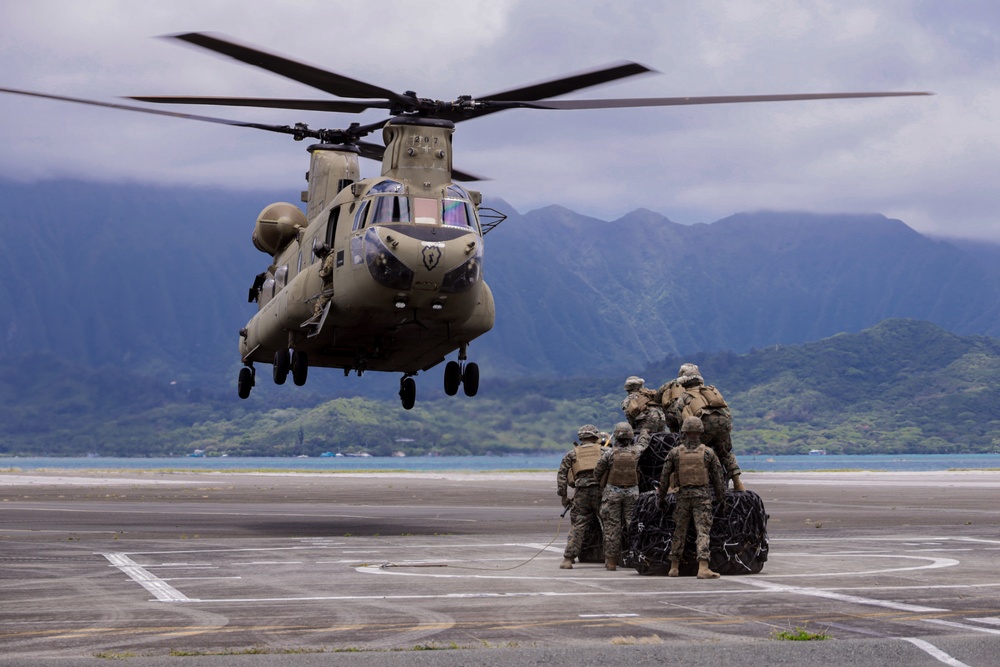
[[544, 462]]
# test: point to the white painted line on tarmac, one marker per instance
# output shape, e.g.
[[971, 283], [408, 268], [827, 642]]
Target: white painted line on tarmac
[[163, 591], [840, 597], [608, 615], [934, 563], [540, 547], [977, 539], [961, 626], [268, 562], [992, 620], [934, 652]]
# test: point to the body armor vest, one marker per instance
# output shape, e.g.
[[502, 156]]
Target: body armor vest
[[624, 471], [674, 390], [691, 469], [587, 457], [703, 397]]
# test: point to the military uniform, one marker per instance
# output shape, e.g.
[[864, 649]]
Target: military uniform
[[617, 471], [641, 408], [717, 422], [326, 273], [577, 471], [672, 390], [698, 471]]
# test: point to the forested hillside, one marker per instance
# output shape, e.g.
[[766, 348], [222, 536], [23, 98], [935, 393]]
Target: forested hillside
[[155, 280], [901, 386]]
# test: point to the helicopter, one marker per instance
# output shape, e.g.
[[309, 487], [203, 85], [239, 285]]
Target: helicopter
[[382, 273]]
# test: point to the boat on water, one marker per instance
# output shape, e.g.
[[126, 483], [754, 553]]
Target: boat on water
[[817, 452]]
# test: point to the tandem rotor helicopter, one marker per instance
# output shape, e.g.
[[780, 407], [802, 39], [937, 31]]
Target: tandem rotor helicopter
[[383, 273]]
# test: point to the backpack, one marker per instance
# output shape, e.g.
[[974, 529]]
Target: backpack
[[703, 397]]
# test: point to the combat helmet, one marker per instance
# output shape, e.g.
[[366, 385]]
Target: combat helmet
[[623, 432], [687, 370], [692, 424], [634, 382], [588, 432]]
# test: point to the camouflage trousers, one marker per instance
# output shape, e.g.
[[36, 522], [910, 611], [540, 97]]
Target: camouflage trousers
[[718, 436], [616, 514], [586, 505], [696, 502]]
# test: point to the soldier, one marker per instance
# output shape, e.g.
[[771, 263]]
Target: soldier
[[577, 471], [706, 403], [696, 466], [669, 391], [618, 474], [326, 273], [642, 412]]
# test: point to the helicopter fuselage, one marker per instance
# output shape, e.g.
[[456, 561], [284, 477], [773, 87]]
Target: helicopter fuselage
[[403, 285]]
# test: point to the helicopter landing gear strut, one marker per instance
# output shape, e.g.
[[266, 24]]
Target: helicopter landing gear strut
[[246, 380], [460, 373], [408, 391]]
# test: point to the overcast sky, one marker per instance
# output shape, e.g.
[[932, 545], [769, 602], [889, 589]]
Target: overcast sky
[[932, 162]]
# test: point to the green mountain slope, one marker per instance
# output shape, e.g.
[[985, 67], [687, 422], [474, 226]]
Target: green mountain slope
[[155, 280], [900, 386]]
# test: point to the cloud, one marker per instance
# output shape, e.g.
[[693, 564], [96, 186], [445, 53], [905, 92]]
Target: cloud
[[926, 160]]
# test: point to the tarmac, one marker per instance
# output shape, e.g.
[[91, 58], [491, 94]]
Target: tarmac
[[168, 568]]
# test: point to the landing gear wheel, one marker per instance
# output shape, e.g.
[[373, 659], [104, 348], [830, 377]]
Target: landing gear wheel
[[300, 367], [452, 377], [282, 363], [245, 382], [408, 392], [470, 379]]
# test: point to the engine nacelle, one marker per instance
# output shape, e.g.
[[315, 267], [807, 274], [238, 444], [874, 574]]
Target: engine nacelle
[[277, 225]]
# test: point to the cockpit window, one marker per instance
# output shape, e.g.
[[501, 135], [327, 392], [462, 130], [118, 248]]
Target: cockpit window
[[457, 192], [455, 212], [386, 187], [425, 211], [390, 209], [359, 217]]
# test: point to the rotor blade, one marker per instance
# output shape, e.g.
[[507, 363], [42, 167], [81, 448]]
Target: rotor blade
[[567, 84], [465, 176], [371, 151], [545, 89], [681, 101], [329, 82], [345, 106], [284, 129]]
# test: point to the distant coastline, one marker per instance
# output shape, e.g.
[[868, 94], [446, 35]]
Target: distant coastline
[[512, 463]]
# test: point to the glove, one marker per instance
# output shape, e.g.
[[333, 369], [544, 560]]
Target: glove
[[566, 501]]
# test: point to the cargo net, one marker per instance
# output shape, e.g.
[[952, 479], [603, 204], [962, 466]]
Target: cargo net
[[738, 541]]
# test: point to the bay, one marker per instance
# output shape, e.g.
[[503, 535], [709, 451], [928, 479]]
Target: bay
[[542, 462]]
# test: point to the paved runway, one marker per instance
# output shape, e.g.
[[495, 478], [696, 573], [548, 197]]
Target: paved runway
[[897, 568]]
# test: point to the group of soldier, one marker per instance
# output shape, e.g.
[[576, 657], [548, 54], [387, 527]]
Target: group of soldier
[[604, 470]]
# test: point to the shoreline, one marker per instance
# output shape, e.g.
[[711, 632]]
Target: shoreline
[[988, 478]]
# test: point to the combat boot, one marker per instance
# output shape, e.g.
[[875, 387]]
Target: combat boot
[[567, 564], [611, 564], [737, 484], [674, 569], [704, 572]]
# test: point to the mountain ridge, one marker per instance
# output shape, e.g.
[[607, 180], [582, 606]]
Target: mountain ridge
[[155, 280]]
